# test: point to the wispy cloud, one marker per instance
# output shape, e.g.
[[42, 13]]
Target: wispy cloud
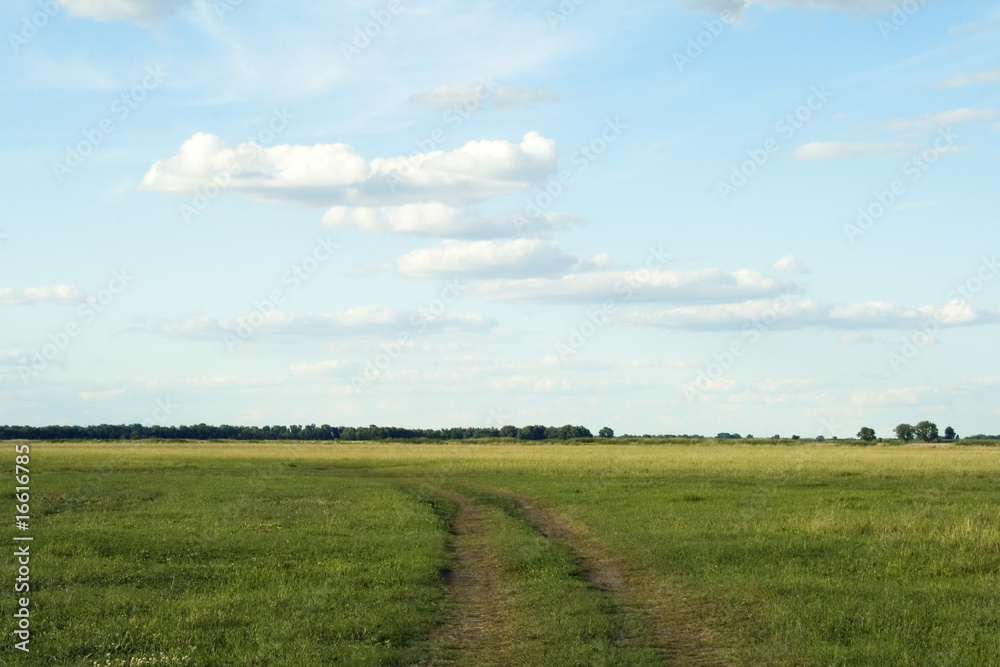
[[130, 10], [440, 220], [790, 314], [486, 259], [934, 121], [700, 286], [61, 294], [966, 79], [471, 97], [832, 150]]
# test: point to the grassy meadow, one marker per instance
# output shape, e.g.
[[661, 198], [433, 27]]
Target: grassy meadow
[[307, 554]]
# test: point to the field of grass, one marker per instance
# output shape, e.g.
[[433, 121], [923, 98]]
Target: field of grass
[[306, 554]]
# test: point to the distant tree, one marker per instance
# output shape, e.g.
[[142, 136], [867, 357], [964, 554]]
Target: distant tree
[[775, 437], [820, 438], [866, 434], [949, 433], [926, 431], [508, 431], [905, 432], [534, 432], [606, 432]]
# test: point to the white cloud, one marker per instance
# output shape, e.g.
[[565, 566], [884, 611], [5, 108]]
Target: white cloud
[[278, 326], [471, 97], [789, 265], [860, 339], [526, 383], [331, 367], [101, 395], [831, 150], [130, 10], [12, 358], [441, 220], [787, 314], [336, 174], [481, 259], [787, 383], [61, 294], [902, 396], [966, 79], [933, 121], [740, 7], [701, 285], [212, 381], [731, 316]]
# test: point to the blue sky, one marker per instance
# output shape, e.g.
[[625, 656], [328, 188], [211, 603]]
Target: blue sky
[[777, 216]]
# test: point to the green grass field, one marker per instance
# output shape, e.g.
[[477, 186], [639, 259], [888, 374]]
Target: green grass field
[[308, 554]]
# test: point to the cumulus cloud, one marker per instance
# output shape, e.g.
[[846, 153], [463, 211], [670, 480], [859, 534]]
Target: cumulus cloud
[[831, 150], [486, 259], [701, 285], [441, 220], [61, 294], [966, 79], [934, 121], [788, 314], [789, 265], [336, 174], [471, 97], [130, 10]]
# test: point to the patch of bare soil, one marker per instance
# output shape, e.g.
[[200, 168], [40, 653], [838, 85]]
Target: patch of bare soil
[[473, 631]]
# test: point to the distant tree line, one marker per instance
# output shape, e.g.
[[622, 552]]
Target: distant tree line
[[294, 432]]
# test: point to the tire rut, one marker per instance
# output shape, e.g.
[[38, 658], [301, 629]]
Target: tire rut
[[673, 624], [473, 632]]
